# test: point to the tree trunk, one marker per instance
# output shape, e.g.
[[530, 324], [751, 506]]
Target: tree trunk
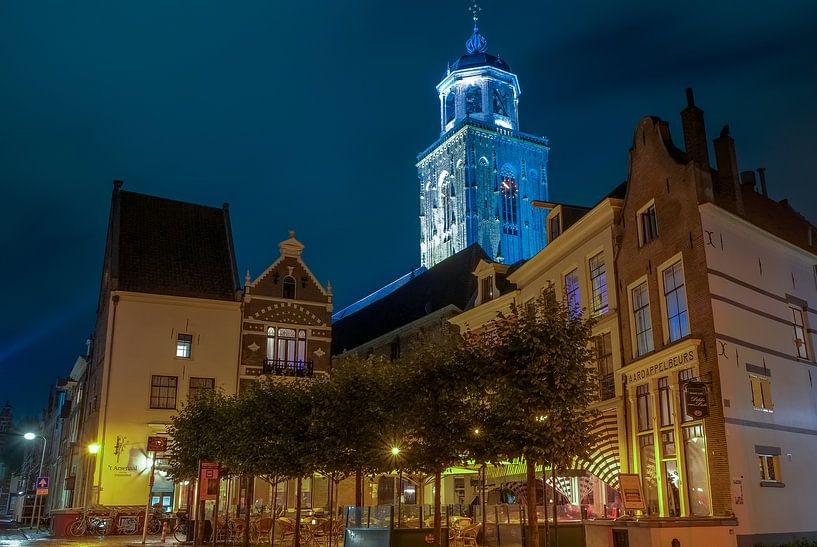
[[358, 497], [533, 520], [248, 497], [298, 512], [274, 512], [555, 507], [545, 505], [437, 514]]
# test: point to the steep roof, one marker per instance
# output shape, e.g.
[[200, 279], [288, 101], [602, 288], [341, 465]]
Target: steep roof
[[449, 282], [168, 247]]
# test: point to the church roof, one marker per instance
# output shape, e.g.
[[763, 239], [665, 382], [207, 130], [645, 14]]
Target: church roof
[[168, 247], [450, 282], [474, 60]]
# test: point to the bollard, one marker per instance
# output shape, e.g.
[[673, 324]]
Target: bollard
[[164, 531]]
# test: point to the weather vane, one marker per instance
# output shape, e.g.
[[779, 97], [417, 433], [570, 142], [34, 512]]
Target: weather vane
[[474, 9]]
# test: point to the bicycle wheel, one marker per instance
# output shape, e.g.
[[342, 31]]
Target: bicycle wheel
[[154, 526], [101, 526], [180, 532], [77, 528]]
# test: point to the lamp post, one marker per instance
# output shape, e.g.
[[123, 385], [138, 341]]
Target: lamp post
[[30, 437], [93, 450], [395, 452]]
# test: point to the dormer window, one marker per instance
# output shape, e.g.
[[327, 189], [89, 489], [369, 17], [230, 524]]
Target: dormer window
[[647, 224], [289, 287], [555, 226], [487, 288]]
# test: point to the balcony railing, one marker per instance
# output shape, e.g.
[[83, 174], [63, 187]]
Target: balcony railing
[[284, 367]]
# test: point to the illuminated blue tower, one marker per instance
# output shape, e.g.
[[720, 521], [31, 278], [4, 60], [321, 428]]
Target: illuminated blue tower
[[478, 180]]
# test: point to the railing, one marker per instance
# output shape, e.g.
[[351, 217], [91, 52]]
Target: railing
[[284, 367]]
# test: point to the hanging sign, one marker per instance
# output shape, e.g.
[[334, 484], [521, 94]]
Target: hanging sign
[[157, 444], [631, 493], [696, 399], [208, 480]]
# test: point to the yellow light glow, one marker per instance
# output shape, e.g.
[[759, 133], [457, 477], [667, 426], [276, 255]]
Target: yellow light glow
[[94, 448], [476, 431], [395, 450]]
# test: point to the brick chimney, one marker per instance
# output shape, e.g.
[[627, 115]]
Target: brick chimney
[[692, 119], [726, 181]]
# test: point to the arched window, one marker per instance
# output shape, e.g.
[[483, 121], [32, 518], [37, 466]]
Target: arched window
[[510, 201], [286, 345], [450, 106], [473, 100], [286, 352], [289, 287]]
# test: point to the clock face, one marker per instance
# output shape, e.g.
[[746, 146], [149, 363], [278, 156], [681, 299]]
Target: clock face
[[501, 102]]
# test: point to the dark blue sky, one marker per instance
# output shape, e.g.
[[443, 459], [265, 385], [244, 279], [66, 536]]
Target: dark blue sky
[[309, 115]]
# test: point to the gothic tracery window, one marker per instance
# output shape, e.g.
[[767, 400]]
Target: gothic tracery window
[[510, 201]]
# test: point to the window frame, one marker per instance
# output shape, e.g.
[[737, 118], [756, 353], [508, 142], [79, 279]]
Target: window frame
[[800, 329], [487, 282], [646, 309], [285, 285], [761, 388], [604, 364], [191, 391], [598, 294], [574, 292], [684, 315], [643, 396], [158, 396], [648, 211], [765, 476], [189, 345]]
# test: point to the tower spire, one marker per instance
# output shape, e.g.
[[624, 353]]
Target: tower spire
[[477, 42]]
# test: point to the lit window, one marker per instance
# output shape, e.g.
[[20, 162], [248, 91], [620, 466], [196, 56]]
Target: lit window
[[799, 333], [271, 343], [200, 385], [604, 366], [761, 393], [572, 292], [643, 322], [163, 392], [487, 288], [648, 225], [769, 467], [289, 287], [510, 204], [676, 302], [184, 343], [598, 285]]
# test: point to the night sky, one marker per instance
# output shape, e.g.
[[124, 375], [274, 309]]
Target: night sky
[[309, 115]]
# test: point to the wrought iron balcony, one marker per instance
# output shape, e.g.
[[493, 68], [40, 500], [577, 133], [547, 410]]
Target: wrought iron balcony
[[284, 367]]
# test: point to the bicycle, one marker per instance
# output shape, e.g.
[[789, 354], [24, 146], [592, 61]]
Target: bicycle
[[95, 525], [180, 529]]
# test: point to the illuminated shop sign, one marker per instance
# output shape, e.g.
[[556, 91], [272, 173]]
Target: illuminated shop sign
[[684, 359]]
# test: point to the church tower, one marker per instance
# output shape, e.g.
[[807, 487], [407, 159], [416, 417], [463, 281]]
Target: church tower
[[478, 180]]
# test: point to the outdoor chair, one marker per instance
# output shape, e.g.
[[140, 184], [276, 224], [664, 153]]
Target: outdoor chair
[[286, 529], [469, 535], [262, 528]]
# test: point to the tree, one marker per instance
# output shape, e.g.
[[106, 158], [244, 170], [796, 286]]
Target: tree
[[436, 417], [535, 360]]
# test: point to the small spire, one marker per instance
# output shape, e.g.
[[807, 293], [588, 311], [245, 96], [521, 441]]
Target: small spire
[[247, 278], [477, 42]]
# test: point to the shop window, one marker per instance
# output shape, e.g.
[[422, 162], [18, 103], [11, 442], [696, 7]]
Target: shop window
[[648, 225], [668, 444], [769, 467], [672, 483], [801, 349], [571, 284], [184, 345], [288, 290], [604, 366], [598, 285], [163, 391], [664, 401], [644, 406], [647, 468], [761, 393], [641, 317], [696, 470], [200, 385], [676, 302]]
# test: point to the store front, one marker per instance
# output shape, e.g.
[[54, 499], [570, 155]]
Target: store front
[[666, 438]]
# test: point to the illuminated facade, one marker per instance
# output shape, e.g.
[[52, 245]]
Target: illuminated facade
[[477, 182]]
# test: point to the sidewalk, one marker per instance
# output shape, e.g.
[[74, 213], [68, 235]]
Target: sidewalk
[[45, 539]]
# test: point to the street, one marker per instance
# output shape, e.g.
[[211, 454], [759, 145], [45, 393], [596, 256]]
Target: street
[[12, 535]]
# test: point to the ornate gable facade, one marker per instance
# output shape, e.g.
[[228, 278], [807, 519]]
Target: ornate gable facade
[[286, 324]]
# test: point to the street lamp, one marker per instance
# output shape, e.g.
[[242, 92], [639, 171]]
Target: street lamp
[[395, 452], [93, 450], [29, 436]]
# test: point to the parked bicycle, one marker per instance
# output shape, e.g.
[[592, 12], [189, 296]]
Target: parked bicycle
[[181, 527], [90, 523]]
